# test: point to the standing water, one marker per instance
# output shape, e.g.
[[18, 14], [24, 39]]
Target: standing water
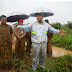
[[56, 51]]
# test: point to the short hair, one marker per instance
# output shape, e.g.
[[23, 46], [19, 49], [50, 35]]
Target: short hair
[[3, 16], [39, 14], [47, 20]]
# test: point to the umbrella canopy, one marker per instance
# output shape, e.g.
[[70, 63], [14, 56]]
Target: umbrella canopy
[[45, 12], [15, 16]]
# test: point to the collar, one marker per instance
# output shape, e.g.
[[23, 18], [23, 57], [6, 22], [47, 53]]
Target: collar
[[5, 25], [42, 22]]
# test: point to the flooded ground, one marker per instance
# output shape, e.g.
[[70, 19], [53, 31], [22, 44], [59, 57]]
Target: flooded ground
[[57, 51]]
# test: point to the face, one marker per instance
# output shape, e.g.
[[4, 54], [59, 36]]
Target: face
[[20, 23], [39, 18], [3, 20]]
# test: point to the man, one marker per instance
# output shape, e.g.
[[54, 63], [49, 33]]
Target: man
[[20, 42], [28, 40], [49, 35], [39, 31], [6, 41]]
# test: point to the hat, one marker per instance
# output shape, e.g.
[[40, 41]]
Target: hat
[[20, 20]]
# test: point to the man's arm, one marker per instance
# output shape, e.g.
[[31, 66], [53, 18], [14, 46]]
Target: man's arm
[[12, 37], [22, 36], [56, 31], [11, 32], [26, 28], [15, 31]]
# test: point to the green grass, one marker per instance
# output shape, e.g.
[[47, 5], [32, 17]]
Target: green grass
[[53, 64], [60, 64]]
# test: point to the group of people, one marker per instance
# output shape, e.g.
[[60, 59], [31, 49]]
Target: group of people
[[38, 35]]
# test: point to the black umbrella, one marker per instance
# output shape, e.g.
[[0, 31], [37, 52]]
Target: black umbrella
[[45, 12], [17, 17]]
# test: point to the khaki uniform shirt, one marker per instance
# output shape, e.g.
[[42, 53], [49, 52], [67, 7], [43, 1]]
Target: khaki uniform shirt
[[5, 34], [20, 32]]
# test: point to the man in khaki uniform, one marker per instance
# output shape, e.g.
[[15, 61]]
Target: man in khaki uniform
[[50, 35], [28, 40], [6, 40], [20, 42]]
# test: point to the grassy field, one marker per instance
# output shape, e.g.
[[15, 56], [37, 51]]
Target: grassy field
[[53, 64]]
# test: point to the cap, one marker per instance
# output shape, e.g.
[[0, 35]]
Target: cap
[[20, 20]]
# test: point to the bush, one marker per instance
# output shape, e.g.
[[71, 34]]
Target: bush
[[70, 25], [61, 41], [57, 25], [61, 64], [65, 41]]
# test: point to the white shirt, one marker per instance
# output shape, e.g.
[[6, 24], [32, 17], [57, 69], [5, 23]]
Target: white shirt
[[39, 31], [21, 29]]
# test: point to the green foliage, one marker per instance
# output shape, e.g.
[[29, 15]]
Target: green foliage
[[14, 34], [63, 41], [60, 64], [67, 29], [19, 63], [57, 25], [70, 25]]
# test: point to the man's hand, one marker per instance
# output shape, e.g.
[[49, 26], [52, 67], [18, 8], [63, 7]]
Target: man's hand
[[20, 38], [18, 28], [62, 32]]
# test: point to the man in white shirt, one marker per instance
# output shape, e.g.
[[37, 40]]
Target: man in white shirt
[[39, 31]]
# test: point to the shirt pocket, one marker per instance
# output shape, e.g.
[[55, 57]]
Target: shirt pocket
[[8, 31], [2, 38]]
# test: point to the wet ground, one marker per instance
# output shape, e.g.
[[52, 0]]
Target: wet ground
[[56, 51]]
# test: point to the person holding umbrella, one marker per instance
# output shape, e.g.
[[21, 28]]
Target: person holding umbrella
[[49, 35], [20, 42], [39, 31], [20, 34]]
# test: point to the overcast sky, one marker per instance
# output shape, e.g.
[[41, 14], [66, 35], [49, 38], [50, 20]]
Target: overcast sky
[[61, 9]]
